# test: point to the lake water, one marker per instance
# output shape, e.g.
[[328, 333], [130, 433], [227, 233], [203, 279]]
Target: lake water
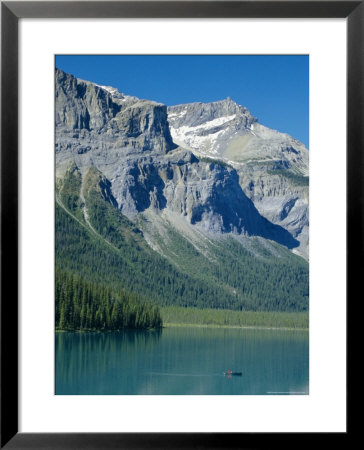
[[183, 361]]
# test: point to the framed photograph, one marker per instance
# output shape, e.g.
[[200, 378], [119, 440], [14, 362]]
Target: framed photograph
[[180, 199]]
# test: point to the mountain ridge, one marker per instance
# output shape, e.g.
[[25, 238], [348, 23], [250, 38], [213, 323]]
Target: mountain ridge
[[272, 166], [145, 168]]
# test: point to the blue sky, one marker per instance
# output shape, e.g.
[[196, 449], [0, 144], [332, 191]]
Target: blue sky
[[274, 88]]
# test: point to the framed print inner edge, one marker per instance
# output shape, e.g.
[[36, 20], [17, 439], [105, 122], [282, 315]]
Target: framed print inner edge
[[9, 198]]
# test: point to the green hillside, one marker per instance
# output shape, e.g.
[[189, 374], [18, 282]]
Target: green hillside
[[96, 241]]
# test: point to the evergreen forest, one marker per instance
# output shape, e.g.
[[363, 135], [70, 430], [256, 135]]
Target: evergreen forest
[[82, 306]]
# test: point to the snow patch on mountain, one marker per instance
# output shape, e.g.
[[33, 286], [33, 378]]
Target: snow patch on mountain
[[189, 136]]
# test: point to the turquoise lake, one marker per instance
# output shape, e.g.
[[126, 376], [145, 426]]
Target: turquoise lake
[[183, 361]]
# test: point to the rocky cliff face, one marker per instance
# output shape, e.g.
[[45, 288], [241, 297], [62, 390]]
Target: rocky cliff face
[[153, 165], [90, 116], [272, 166]]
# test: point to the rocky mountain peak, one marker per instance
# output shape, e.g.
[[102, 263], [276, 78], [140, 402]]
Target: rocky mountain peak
[[87, 113], [82, 105], [272, 166], [219, 112]]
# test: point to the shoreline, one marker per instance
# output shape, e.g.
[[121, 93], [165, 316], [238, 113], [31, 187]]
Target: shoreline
[[243, 327], [191, 325]]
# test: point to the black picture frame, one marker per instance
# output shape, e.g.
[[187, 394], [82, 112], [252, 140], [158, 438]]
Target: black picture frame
[[11, 12]]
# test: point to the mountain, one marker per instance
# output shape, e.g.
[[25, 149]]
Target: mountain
[[272, 166], [142, 205]]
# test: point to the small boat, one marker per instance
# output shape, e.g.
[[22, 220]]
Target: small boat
[[230, 373]]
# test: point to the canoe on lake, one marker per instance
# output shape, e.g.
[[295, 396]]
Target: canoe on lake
[[230, 373]]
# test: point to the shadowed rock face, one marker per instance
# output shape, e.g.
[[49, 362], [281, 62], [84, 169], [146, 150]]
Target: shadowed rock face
[[129, 141]]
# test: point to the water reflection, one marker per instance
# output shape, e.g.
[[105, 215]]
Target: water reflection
[[182, 361]]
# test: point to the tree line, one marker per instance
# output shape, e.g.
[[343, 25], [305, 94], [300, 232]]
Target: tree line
[[225, 317]]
